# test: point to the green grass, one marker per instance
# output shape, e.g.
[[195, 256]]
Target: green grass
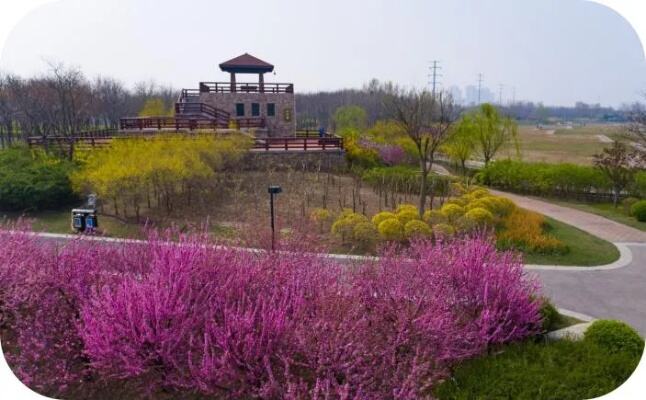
[[576, 145], [585, 249], [58, 221], [606, 210], [561, 370]]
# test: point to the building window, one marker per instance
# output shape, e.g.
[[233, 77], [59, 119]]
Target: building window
[[255, 109], [271, 109], [240, 109]]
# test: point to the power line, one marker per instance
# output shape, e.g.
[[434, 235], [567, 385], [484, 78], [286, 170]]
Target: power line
[[434, 75]]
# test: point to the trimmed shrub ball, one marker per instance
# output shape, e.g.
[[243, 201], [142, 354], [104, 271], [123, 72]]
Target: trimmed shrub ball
[[615, 336], [391, 229], [638, 210], [417, 229], [382, 216]]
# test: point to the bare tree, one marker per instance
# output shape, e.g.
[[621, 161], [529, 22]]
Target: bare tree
[[426, 119], [619, 164], [111, 101]]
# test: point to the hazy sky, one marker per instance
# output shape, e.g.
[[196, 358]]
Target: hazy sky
[[555, 51]]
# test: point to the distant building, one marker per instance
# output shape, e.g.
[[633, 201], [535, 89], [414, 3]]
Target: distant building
[[471, 95], [456, 94]]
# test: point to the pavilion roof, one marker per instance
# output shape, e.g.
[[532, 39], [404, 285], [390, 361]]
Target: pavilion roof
[[246, 63]]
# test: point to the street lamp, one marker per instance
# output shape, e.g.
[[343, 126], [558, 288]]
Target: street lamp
[[273, 189]]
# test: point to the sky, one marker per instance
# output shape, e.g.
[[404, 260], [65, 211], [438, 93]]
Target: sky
[[551, 51]]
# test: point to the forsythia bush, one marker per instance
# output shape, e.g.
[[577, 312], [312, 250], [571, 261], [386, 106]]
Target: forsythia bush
[[523, 230], [184, 319], [157, 171]]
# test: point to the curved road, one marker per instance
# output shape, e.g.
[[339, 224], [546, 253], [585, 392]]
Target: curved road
[[609, 294]]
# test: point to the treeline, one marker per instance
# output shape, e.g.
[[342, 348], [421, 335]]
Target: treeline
[[63, 100], [317, 109]]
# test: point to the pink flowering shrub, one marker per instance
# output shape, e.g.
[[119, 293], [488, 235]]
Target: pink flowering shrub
[[192, 319], [390, 154]]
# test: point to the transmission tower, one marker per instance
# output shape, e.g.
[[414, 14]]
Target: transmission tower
[[434, 75], [500, 87]]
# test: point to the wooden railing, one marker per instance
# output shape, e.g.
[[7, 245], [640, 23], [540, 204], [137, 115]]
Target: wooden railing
[[298, 144], [260, 144], [311, 133], [244, 87], [171, 123], [201, 108], [178, 123]]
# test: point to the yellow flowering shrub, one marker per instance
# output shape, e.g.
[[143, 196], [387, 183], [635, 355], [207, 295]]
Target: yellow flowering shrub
[[452, 211], [406, 207], [524, 230], [382, 216], [407, 215], [443, 230], [433, 217], [343, 227], [417, 229], [479, 217], [391, 229], [365, 235]]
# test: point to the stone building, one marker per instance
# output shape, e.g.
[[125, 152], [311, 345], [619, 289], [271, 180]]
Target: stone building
[[268, 107]]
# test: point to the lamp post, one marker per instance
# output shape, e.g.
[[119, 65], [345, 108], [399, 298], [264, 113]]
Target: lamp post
[[273, 189]]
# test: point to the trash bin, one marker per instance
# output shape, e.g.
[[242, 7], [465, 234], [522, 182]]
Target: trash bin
[[84, 219]]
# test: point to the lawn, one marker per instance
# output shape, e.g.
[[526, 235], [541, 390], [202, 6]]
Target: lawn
[[585, 249], [606, 210], [576, 145], [531, 370]]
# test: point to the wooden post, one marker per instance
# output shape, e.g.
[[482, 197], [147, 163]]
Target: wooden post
[[233, 82], [261, 82]]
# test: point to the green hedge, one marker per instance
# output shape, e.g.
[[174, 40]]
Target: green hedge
[[563, 180], [404, 179], [31, 180]]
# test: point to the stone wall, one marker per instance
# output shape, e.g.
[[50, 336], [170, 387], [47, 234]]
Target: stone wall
[[283, 123], [332, 161]]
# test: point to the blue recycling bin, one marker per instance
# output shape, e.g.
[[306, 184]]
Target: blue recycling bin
[[84, 219]]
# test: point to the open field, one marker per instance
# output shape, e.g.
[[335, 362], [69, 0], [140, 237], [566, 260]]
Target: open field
[[576, 145]]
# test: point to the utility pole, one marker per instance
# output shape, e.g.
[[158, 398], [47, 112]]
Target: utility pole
[[513, 96], [480, 78], [434, 75]]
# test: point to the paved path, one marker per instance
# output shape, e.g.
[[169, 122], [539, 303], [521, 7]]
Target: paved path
[[594, 224], [614, 294]]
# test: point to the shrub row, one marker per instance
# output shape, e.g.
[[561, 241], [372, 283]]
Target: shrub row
[[33, 180], [564, 180], [184, 319]]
